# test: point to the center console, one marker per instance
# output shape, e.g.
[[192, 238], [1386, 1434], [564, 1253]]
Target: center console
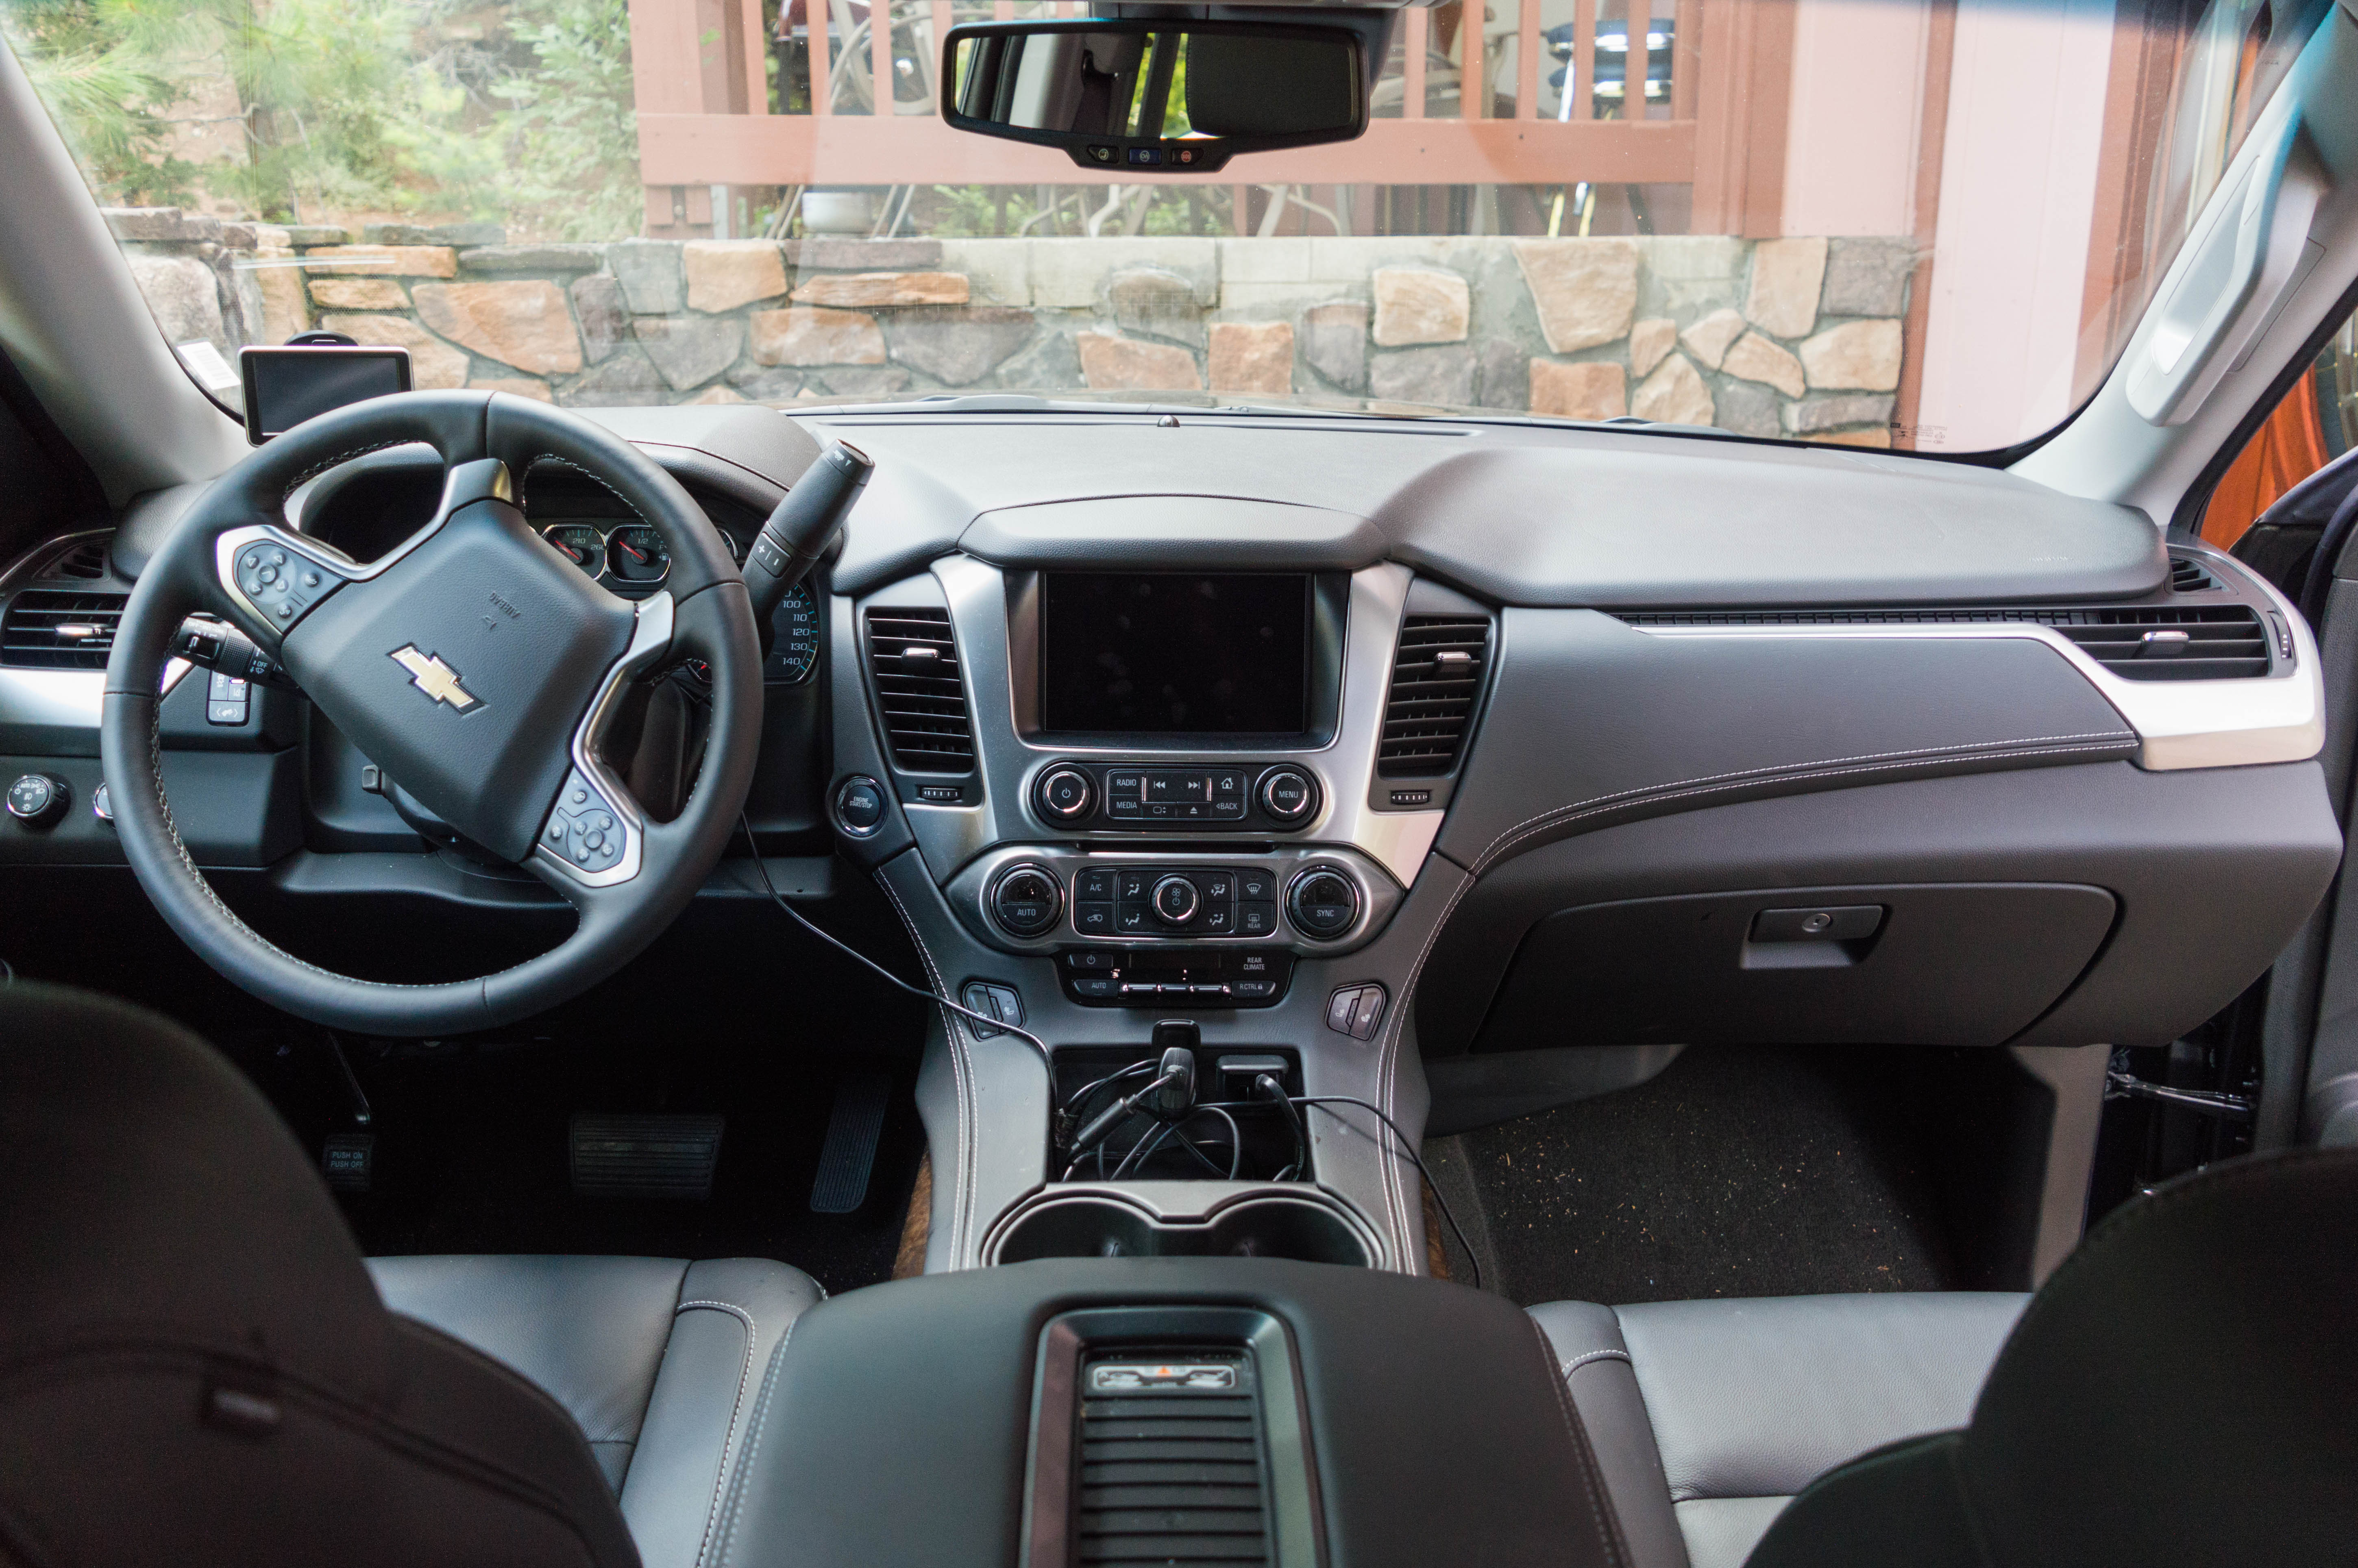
[[1111, 801]]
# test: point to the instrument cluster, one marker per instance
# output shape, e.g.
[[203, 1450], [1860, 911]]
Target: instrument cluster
[[632, 559]]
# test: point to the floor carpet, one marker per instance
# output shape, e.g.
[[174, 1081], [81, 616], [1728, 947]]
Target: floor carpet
[[1737, 1172]]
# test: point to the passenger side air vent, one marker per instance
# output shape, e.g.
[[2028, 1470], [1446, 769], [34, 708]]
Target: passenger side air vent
[[86, 560], [915, 661], [47, 629], [1436, 675], [2175, 644], [2188, 576], [1170, 1472]]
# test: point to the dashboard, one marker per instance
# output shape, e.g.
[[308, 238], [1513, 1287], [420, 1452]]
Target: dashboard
[[1382, 742]]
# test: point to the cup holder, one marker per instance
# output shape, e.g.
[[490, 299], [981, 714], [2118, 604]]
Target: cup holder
[[1271, 1226]]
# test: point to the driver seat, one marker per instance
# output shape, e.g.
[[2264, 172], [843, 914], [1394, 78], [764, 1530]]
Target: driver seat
[[193, 1351]]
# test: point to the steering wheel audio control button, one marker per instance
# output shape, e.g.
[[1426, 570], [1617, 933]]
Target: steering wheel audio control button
[[582, 830], [280, 587]]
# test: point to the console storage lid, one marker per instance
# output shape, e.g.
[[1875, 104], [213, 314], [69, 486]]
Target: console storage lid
[[896, 1425]]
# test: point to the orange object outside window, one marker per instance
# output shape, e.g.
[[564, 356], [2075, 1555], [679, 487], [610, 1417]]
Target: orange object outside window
[[2282, 452]]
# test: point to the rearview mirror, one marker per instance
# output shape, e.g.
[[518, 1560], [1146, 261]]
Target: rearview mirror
[[1138, 96]]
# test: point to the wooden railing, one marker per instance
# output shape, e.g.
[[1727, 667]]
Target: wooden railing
[[706, 120]]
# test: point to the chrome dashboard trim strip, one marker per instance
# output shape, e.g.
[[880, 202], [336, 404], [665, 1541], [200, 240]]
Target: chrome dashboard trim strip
[[2181, 724]]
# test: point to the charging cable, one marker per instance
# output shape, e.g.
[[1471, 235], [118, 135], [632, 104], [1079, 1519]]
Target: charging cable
[[797, 916]]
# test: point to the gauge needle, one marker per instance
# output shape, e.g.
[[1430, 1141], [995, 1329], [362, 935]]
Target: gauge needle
[[636, 554]]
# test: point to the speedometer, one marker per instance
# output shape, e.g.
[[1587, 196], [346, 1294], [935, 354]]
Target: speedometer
[[794, 647], [795, 653], [637, 554]]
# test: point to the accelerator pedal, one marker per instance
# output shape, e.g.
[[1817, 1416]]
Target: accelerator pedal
[[853, 1129], [645, 1156]]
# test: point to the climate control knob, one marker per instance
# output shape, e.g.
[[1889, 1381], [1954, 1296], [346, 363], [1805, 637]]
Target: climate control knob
[[1027, 901], [1175, 900], [1323, 902], [1287, 794], [1066, 795]]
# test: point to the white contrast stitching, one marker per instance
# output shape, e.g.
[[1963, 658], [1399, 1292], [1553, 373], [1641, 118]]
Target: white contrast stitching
[[961, 1179], [719, 1480], [1578, 1362], [1926, 754], [1608, 1530], [754, 1445]]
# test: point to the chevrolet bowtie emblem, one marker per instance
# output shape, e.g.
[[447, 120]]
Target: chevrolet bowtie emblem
[[437, 680]]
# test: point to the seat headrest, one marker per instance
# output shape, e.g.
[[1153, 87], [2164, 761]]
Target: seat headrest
[[2185, 1387], [150, 1196]]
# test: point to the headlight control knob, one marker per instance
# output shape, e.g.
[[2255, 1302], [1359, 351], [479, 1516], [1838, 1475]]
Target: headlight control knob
[[37, 800]]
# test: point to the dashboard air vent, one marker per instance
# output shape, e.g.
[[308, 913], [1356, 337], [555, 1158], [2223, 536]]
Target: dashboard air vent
[[2175, 644], [1171, 1476], [47, 629], [914, 662], [86, 560], [2188, 576], [1436, 675]]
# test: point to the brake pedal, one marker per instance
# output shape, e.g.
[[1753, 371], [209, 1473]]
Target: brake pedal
[[854, 1126], [645, 1156]]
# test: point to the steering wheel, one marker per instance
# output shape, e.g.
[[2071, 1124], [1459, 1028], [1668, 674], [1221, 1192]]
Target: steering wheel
[[475, 664]]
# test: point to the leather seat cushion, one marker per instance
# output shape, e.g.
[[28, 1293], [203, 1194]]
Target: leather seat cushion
[[1709, 1415], [655, 1357]]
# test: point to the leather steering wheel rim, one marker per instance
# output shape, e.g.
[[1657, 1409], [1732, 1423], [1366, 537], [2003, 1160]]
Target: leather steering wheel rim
[[470, 710]]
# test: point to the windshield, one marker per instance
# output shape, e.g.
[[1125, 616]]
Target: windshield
[[1922, 224]]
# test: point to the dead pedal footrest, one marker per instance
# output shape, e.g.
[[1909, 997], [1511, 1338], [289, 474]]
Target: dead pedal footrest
[[645, 1156]]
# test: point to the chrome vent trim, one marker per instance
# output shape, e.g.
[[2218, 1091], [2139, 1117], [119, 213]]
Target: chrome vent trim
[[913, 659], [1436, 676], [54, 629]]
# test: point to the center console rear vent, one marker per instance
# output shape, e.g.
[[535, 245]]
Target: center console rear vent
[[914, 659], [1170, 1462], [50, 629], [1436, 675]]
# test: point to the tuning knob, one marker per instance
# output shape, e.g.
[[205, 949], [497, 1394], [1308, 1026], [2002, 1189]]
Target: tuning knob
[[1287, 794]]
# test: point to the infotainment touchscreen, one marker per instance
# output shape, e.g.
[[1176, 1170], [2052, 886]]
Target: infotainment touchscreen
[[1176, 653]]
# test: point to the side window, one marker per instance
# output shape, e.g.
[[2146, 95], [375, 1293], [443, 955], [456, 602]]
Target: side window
[[2314, 423]]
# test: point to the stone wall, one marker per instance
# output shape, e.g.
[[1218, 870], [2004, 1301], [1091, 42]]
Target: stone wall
[[1792, 337]]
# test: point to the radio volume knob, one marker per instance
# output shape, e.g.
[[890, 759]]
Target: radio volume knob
[[1067, 794], [1287, 794]]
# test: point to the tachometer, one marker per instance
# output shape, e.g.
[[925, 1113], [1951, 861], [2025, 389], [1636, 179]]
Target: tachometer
[[583, 544], [637, 555]]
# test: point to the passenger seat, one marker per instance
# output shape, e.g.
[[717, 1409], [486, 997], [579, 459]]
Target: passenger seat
[[1708, 1416]]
